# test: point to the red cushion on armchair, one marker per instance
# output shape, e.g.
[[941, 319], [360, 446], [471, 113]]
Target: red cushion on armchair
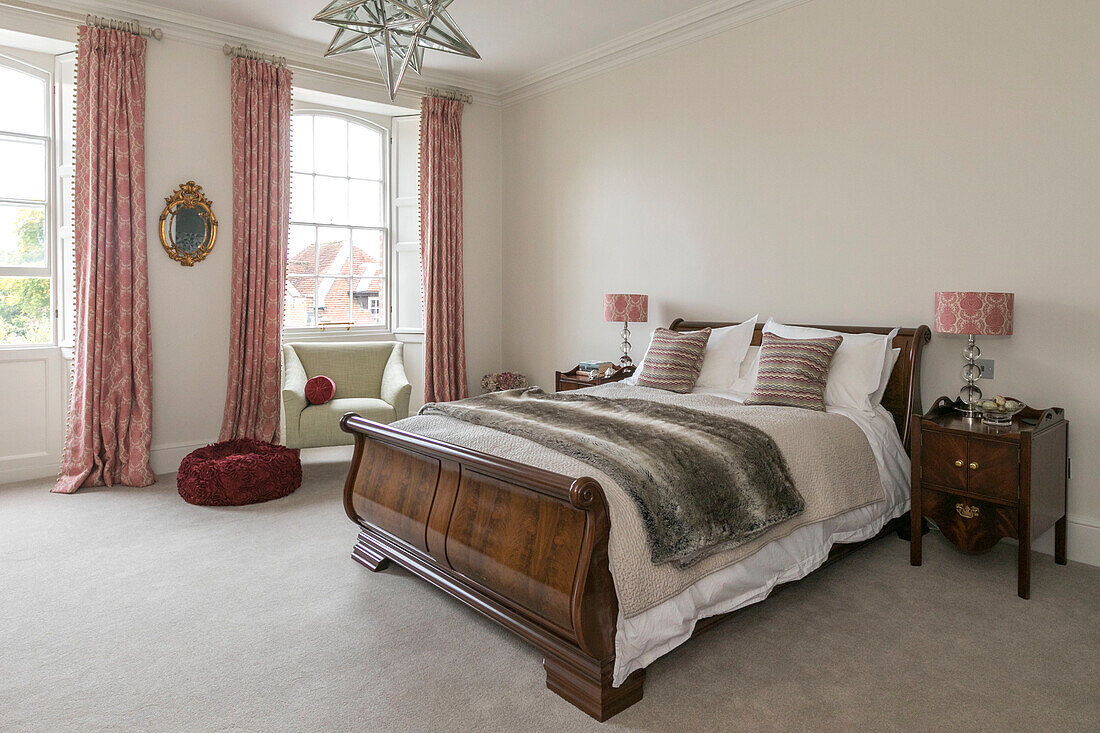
[[320, 389]]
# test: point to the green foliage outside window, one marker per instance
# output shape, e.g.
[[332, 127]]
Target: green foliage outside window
[[25, 301]]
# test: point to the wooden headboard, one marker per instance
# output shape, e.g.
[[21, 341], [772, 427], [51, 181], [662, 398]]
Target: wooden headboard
[[902, 396]]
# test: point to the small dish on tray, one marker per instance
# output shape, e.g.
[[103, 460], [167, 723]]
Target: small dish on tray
[[999, 411]]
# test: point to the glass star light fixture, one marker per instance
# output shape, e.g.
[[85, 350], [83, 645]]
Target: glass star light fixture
[[397, 31]]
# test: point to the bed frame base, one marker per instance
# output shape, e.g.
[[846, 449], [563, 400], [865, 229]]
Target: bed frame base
[[579, 679], [587, 684], [368, 556], [575, 676]]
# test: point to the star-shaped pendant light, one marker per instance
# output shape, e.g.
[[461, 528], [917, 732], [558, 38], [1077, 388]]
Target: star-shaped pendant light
[[398, 31]]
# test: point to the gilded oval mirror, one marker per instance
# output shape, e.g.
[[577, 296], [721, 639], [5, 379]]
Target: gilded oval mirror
[[188, 226]]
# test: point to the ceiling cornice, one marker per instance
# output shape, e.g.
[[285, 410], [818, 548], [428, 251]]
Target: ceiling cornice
[[707, 20], [688, 27], [203, 31]]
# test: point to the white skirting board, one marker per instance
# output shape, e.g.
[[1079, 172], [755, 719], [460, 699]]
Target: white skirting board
[[1082, 541], [29, 472], [165, 459]]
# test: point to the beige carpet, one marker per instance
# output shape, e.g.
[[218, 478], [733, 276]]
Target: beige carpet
[[127, 609]]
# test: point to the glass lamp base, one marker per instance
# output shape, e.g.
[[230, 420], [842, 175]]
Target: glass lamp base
[[969, 399], [970, 396], [967, 411], [625, 360]]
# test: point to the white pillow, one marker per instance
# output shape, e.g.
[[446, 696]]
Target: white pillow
[[742, 386], [857, 366], [726, 349], [887, 370]]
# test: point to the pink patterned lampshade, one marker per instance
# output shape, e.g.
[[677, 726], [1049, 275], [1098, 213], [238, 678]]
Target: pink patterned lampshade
[[626, 308], [974, 313]]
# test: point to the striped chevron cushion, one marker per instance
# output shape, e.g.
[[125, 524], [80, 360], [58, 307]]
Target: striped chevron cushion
[[673, 360], [793, 372]]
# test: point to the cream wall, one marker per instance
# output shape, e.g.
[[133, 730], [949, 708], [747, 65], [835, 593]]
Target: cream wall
[[834, 163], [482, 148], [188, 138]]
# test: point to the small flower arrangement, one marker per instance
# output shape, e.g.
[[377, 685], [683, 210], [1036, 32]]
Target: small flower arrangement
[[502, 381]]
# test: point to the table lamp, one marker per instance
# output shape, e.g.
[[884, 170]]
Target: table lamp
[[973, 314], [627, 308]]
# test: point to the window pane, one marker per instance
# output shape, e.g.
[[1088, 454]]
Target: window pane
[[301, 257], [336, 270], [301, 197], [23, 173], [366, 204], [331, 145], [25, 310], [364, 152], [369, 285], [333, 251], [368, 252], [333, 303], [332, 200], [24, 107], [302, 144], [298, 310], [368, 305], [22, 236]]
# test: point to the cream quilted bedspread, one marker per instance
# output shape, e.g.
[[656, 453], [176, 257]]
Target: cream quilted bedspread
[[830, 460]]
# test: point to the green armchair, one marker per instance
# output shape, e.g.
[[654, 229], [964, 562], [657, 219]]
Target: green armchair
[[370, 380]]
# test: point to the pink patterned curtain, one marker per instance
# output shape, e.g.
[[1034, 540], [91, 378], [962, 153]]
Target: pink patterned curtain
[[441, 249], [261, 228], [110, 406]]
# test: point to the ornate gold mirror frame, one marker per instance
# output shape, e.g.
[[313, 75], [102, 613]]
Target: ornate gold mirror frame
[[188, 226]]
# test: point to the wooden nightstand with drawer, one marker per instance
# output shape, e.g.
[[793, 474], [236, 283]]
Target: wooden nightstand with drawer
[[979, 483], [576, 379]]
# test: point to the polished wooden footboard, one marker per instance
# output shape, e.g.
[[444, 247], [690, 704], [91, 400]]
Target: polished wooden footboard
[[524, 547]]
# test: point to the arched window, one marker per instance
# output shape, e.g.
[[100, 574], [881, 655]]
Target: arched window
[[337, 264], [26, 183]]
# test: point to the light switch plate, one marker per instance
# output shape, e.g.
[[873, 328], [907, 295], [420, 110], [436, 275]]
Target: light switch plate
[[986, 365]]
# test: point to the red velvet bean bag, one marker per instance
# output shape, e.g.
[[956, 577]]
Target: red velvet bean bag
[[238, 472]]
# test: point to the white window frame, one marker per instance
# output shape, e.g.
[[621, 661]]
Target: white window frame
[[50, 270], [386, 328], [397, 246], [65, 220]]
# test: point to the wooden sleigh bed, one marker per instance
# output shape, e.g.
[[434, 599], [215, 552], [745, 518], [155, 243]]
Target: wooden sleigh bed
[[525, 547]]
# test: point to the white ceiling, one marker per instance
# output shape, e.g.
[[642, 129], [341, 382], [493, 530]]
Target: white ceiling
[[514, 37]]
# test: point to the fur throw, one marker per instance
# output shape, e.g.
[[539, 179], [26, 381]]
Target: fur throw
[[702, 482]]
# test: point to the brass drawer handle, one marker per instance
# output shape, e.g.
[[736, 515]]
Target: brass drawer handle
[[958, 464], [967, 512], [974, 466]]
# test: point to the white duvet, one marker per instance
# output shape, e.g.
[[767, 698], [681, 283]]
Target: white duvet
[[643, 638]]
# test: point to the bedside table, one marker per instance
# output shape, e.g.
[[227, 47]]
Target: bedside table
[[565, 381], [979, 483]]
